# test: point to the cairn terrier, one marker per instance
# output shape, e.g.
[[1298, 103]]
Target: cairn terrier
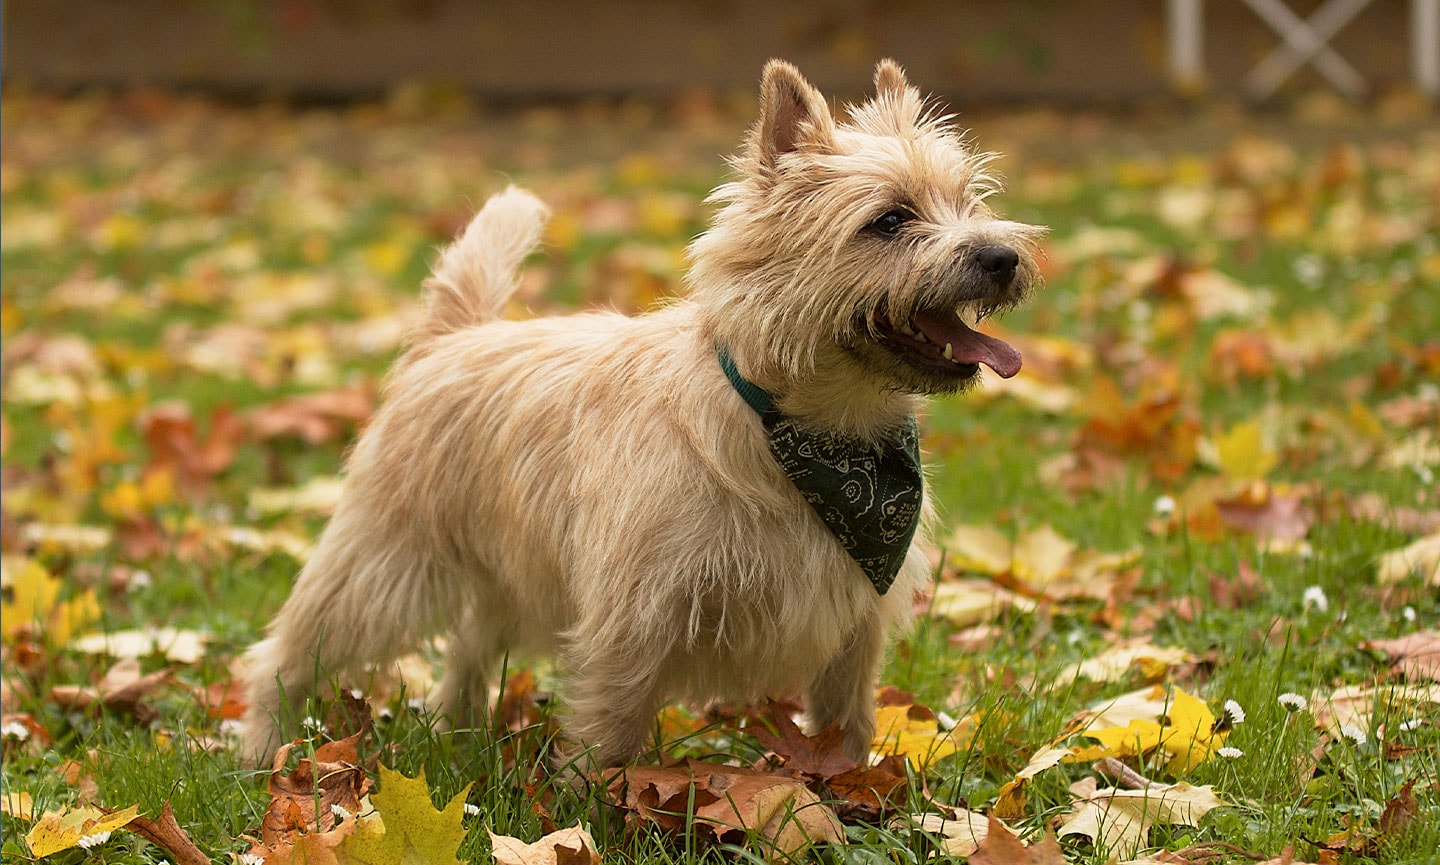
[[719, 499]]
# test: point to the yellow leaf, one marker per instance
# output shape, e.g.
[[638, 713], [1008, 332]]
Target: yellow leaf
[[1242, 454], [61, 830], [980, 549], [1176, 724], [33, 600], [406, 827], [920, 739], [1119, 820], [18, 804]]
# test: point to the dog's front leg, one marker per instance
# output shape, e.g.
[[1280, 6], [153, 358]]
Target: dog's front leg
[[844, 692], [613, 695]]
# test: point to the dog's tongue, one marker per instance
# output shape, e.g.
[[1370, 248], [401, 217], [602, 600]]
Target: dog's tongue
[[969, 346]]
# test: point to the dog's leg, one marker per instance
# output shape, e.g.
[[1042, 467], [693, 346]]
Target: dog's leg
[[844, 692], [364, 596], [614, 693], [475, 647]]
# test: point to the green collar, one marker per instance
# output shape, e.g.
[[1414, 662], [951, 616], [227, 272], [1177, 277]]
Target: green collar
[[868, 497]]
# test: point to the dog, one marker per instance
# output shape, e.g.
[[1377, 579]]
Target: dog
[[719, 499]]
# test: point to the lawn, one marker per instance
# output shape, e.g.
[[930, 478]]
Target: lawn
[[1189, 563]]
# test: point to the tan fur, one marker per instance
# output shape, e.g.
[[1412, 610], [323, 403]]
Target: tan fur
[[593, 486]]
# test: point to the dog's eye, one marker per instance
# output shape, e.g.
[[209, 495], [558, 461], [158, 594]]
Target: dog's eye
[[891, 222]]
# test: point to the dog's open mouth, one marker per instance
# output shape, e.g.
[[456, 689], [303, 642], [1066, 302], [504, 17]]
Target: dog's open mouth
[[941, 339]]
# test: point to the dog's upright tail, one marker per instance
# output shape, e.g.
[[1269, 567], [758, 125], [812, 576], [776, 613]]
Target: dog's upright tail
[[480, 270]]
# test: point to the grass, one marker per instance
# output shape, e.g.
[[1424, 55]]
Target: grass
[[129, 218]]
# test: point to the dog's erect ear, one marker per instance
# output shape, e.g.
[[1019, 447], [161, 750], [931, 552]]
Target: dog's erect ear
[[890, 81], [792, 112]]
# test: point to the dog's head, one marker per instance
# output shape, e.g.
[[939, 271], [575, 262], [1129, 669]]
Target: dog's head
[[865, 241]]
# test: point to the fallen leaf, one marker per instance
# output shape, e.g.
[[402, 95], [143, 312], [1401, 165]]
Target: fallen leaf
[[820, 756], [18, 804], [963, 832], [63, 829], [167, 834], [1120, 820], [914, 733], [1414, 656], [122, 689], [1115, 663], [316, 418], [728, 805], [572, 846], [1242, 453], [32, 601], [304, 800], [1169, 723], [406, 826], [1001, 847], [1420, 558], [180, 646], [1355, 705], [1010, 802]]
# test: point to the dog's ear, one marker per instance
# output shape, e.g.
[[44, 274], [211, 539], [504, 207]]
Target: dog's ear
[[792, 113], [890, 81]]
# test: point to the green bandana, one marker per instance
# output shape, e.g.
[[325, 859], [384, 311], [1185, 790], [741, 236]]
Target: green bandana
[[868, 497]]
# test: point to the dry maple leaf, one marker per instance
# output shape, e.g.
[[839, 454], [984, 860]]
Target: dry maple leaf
[[731, 805], [572, 846], [1120, 820], [317, 418], [166, 833], [819, 756], [1414, 656], [1000, 847], [123, 689], [304, 801], [175, 443]]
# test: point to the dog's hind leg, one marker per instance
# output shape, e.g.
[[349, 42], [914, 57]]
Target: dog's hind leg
[[844, 692], [363, 597], [475, 646]]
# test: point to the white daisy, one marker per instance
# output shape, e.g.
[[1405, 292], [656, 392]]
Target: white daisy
[[1234, 712], [93, 840], [1412, 724], [1230, 753], [251, 859], [1165, 506], [14, 730], [340, 812], [1354, 734], [1314, 598], [472, 810], [1293, 702]]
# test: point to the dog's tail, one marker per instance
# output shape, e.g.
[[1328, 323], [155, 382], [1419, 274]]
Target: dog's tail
[[480, 270]]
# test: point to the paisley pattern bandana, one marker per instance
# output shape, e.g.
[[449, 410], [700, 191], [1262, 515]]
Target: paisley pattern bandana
[[868, 497]]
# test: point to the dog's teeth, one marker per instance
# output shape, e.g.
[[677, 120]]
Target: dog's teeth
[[949, 355], [920, 336]]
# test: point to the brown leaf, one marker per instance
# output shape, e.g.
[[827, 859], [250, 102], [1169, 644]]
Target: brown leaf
[[122, 689], [175, 443], [1400, 811], [316, 418], [819, 756], [728, 803], [1002, 848], [164, 832], [304, 801], [572, 846], [1414, 656], [867, 793], [1266, 513]]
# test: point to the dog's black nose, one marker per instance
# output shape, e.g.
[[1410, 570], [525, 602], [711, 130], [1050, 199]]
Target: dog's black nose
[[998, 261]]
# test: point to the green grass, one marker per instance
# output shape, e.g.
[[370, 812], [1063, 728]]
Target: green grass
[[210, 197]]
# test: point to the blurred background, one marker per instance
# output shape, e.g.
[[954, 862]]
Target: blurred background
[[1079, 53]]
